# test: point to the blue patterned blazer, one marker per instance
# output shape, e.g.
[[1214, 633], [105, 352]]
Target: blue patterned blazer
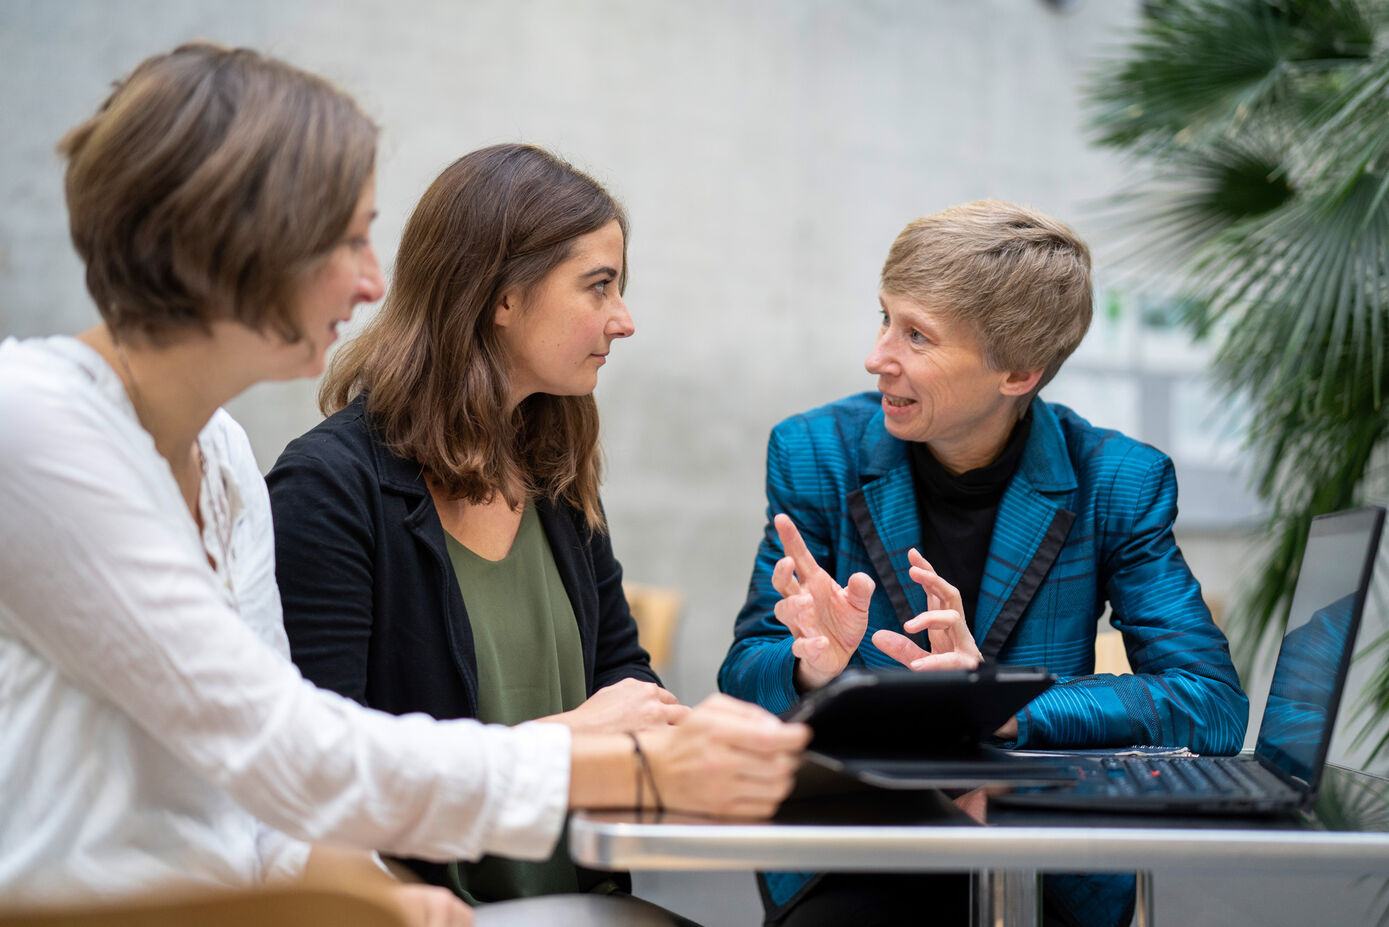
[[1087, 519]]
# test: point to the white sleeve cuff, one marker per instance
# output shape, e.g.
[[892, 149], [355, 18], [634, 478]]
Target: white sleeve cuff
[[531, 785], [282, 858]]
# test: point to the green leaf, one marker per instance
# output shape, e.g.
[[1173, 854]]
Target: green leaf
[[1260, 132]]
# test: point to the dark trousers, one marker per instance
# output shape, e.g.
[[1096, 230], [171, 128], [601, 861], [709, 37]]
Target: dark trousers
[[881, 899]]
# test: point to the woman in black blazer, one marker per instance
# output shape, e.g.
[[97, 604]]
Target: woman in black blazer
[[440, 543]]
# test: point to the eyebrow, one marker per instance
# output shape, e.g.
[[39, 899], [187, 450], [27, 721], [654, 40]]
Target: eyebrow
[[598, 271], [916, 318]]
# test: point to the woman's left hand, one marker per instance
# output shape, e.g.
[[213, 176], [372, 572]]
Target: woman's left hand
[[626, 705], [952, 644]]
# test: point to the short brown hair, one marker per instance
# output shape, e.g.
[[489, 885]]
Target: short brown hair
[[1018, 278], [431, 362], [207, 184]]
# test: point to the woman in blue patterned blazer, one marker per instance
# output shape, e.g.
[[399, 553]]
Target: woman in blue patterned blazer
[[952, 516]]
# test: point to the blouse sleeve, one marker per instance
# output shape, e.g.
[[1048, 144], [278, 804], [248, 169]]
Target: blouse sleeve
[[103, 579]]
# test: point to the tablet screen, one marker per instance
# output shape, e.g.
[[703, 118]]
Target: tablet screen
[[893, 713]]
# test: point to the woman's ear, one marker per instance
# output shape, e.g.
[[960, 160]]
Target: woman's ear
[[1020, 383], [506, 310]]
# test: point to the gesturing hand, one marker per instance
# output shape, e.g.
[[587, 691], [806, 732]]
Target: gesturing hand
[[626, 705], [952, 645], [826, 620]]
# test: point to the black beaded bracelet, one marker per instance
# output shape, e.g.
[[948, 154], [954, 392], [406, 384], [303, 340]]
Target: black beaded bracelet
[[644, 771], [639, 760]]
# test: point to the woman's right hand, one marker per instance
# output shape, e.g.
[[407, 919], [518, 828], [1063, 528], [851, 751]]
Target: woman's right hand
[[827, 621], [430, 906], [626, 705], [728, 757]]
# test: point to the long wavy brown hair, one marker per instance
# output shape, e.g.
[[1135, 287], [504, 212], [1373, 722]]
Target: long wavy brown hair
[[431, 363]]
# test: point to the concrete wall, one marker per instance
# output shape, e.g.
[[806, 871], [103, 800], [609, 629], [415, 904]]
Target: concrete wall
[[767, 152]]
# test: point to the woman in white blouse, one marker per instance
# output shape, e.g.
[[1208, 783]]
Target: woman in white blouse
[[152, 729]]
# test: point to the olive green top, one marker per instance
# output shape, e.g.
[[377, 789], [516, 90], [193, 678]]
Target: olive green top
[[529, 664]]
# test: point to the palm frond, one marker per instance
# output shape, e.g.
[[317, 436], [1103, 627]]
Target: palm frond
[[1262, 131], [1201, 68]]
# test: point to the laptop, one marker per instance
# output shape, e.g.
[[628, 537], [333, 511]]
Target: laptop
[[895, 729], [1282, 774]]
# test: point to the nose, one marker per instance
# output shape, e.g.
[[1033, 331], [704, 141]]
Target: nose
[[879, 359], [371, 285], [620, 324]]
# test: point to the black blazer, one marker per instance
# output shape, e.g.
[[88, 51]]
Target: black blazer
[[371, 602]]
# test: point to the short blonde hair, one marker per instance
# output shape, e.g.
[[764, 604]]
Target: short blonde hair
[[207, 184], [1019, 279]]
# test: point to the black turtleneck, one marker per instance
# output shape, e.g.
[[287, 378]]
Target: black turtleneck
[[957, 512]]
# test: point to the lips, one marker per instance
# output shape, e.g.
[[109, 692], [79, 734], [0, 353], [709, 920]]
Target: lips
[[895, 402]]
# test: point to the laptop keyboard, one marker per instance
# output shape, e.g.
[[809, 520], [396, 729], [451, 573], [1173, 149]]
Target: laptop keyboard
[[1197, 775]]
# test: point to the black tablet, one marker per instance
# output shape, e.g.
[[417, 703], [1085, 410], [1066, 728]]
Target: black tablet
[[900, 729], [901, 711]]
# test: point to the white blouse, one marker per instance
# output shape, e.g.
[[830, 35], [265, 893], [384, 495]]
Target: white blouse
[[152, 727]]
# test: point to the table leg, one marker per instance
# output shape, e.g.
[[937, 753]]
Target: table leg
[[1006, 898], [1143, 903]]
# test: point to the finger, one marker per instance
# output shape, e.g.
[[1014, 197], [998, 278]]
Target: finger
[[962, 640], [720, 709], [758, 773], [456, 913], [931, 581], [940, 595], [752, 809], [948, 631], [771, 790], [898, 646], [792, 611], [950, 660], [941, 619], [718, 703], [794, 545], [859, 591], [809, 649], [665, 695], [753, 774], [757, 731], [431, 906], [778, 767], [677, 713], [461, 915], [784, 577]]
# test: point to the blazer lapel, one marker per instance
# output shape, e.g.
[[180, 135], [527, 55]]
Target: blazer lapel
[[567, 549], [884, 511], [406, 478], [1029, 532]]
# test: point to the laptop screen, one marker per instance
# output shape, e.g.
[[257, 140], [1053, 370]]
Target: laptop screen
[[1312, 664]]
